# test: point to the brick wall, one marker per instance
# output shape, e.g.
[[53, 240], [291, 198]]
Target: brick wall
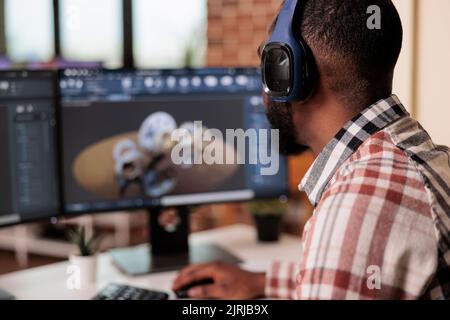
[[236, 28]]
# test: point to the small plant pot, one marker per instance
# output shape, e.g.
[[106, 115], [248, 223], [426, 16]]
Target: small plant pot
[[268, 227], [86, 269]]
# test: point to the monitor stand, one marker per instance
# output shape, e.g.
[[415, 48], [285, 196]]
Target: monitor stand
[[168, 249]]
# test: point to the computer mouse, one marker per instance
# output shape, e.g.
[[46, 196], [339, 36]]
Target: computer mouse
[[183, 292]]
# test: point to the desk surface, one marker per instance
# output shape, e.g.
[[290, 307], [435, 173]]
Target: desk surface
[[49, 282]]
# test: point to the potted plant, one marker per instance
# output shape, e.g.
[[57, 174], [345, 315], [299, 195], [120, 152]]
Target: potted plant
[[268, 218], [86, 256]]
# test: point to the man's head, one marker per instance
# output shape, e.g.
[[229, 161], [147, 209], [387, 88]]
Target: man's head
[[355, 65]]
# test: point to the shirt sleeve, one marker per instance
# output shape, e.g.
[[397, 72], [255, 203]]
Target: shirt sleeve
[[371, 237], [281, 279]]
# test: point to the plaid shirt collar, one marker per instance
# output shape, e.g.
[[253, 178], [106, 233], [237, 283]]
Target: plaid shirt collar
[[347, 141]]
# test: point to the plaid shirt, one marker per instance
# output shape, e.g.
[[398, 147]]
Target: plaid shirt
[[381, 223]]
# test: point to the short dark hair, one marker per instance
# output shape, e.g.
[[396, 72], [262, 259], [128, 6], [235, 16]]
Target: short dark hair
[[353, 59]]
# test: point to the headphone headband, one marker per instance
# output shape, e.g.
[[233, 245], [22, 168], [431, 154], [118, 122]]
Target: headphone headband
[[287, 64]]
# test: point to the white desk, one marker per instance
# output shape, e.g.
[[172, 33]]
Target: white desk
[[49, 282]]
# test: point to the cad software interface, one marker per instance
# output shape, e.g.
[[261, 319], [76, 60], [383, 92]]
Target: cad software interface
[[28, 171], [118, 142]]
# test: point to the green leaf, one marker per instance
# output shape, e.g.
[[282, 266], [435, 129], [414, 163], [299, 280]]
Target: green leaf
[[85, 246]]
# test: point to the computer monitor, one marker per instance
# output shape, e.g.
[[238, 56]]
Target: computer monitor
[[28, 167], [117, 145], [165, 138]]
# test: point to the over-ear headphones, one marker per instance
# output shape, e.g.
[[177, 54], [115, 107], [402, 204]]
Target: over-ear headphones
[[288, 66]]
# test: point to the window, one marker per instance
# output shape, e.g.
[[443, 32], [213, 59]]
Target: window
[[29, 30], [92, 31], [161, 34], [169, 33]]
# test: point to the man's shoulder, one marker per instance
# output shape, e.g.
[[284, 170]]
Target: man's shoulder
[[379, 153], [381, 171]]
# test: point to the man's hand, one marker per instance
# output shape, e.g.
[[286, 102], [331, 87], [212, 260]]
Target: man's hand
[[230, 282]]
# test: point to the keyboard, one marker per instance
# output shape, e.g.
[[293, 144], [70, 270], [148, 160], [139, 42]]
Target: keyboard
[[123, 292]]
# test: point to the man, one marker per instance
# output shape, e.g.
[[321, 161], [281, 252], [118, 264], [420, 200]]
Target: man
[[379, 186]]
